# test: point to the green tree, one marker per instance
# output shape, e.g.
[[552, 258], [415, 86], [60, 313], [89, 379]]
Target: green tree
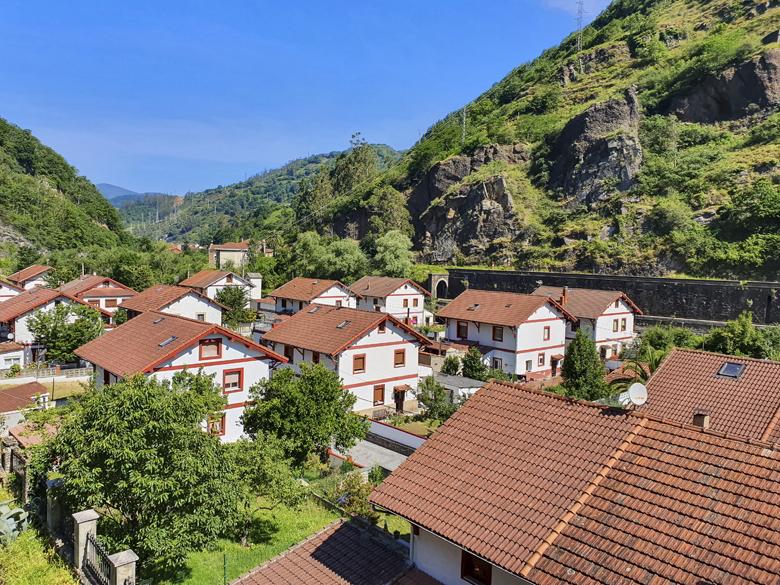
[[136, 451], [388, 210], [435, 399], [473, 365], [311, 202], [738, 337], [308, 255], [64, 328], [236, 300], [355, 166], [583, 372], [352, 493], [344, 260], [393, 254], [308, 412], [451, 365]]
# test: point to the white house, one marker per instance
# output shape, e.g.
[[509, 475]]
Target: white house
[[374, 354], [402, 298], [520, 334], [211, 282], [8, 290], [160, 345], [99, 291], [16, 312], [235, 254], [14, 354], [30, 277], [300, 292], [175, 300], [606, 316], [16, 399]]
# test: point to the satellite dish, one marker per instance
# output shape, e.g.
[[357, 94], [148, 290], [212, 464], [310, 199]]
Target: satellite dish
[[10, 336], [637, 394]]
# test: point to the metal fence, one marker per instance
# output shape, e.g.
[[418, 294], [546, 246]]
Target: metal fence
[[97, 567]]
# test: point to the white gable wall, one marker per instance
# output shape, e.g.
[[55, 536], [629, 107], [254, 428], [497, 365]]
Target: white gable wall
[[6, 292], [191, 305], [621, 316], [408, 295], [332, 297], [39, 280], [103, 302]]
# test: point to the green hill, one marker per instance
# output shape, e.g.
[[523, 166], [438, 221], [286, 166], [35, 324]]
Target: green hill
[[44, 202]]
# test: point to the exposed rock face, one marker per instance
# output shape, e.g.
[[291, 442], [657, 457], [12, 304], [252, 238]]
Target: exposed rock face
[[594, 61], [598, 151], [729, 95], [470, 221]]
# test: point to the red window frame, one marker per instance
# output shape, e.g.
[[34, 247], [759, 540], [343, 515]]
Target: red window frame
[[355, 369], [209, 342], [339, 304], [615, 325], [240, 372], [94, 302], [623, 324], [402, 354], [541, 358], [111, 303], [546, 334], [415, 302], [222, 419], [377, 389], [406, 303]]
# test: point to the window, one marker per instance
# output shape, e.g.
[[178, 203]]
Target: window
[[615, 350], [406, 303], [615, 325], [414, 320], [339, 303], [315, 357], [379, 394], [229, 279], [359, 363], [546, 335], [382, 327], [376, 301], [399, 358], [731, 370], [463, 329], [284, 303], [623, 324], [8, 362], [603, 352], [498, 333], [529, 365], [289, 353], [415, 302], [201, 316], [475, 570], [111, 303], [210, 349], [617, 304], [540, 359], [216, 425], [106, 378], [498, 364], [94, 302], [233, 381]]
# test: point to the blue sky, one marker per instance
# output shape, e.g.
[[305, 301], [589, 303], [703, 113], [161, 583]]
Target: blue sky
[[179, 96]]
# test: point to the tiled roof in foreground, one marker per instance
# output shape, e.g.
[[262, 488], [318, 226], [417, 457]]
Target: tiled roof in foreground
[[344, 553], [558, 490]]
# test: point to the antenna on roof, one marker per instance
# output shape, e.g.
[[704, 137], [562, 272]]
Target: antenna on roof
[[637, 394]]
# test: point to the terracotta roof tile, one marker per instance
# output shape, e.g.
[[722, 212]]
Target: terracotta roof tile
[[495, 307], [139, 344], [28, 273], [107, 292], [244, 245], [14, 398], [381, 286], [688, 380], [304, 289], [157, 297], [585, 303], [206, 278], [566, 491], [330, 330], [344, 553], [78, 286], [28, 434], [31, 299], [9, 346]]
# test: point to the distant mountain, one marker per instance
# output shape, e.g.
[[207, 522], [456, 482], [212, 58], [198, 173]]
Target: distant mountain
[[110, 191]]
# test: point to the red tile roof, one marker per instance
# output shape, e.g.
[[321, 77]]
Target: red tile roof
[[29, 434], [688, 380], [381, 286], [244, 245], [586, 303], [9, 346], [10, 284], [32, 299], [141, 343], [344, 553], [558, 490], [206, 278], [304, 289], [28, 273], [107, 292], [78, 286], [14, 398], [497, 308], [159, 296], [330, 330]]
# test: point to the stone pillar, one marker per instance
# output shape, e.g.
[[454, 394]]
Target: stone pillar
[[8, 444], [84, 522], [123, 567], [53, 507]]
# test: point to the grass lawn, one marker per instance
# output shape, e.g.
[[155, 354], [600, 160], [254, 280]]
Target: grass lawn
[[275, 531], [65, 389], [419, 427]]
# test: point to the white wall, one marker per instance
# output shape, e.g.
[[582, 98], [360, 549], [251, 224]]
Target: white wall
[[604, 334], [441, 560], [191, 305], [102, 301], [22, 333], [39, 280], [20, 356], [330, 297], [394, 304], [6, 292]]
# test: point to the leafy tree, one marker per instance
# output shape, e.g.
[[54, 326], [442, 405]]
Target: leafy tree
[[344, 260], [236, 300], [354, 167], [451, 365], [662, 337], [738, 337], [352, 493], [756, 208], [310, 204], [308, 412], [376, 475], [473, 366], [120, 316], [435, 399], [136, 451], [583, 372], [308, 256], [393, 254], [64, 328], [389, 212]]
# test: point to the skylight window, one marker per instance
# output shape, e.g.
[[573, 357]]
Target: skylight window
[[159, 320], [731, 370], [342, 324], [168, 341], [313, 310], [473, 307]]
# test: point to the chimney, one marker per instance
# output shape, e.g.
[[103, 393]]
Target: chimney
[[564, 295], [701, 418]]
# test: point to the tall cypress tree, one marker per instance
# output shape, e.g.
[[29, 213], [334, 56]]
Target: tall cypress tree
[[583, 372]]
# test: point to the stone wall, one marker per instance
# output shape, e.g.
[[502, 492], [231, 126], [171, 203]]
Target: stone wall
[[708, 300]]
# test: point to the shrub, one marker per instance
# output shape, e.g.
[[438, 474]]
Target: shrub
[[669, 215], [352, 493], [451, 365]]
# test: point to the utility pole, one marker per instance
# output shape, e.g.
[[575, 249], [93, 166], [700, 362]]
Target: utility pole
[[580, 22]]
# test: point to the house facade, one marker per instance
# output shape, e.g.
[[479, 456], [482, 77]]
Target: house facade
[[374, 354], [210, 282], [607, 317], [30, 277], [8, 290], [13, 353], [175, 300], [400, 297], [300, 292], [99, 291], [160, 345], [524, 335], [229, 254]]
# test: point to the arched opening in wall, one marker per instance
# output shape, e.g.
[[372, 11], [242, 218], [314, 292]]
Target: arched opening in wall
[[441, 289]]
